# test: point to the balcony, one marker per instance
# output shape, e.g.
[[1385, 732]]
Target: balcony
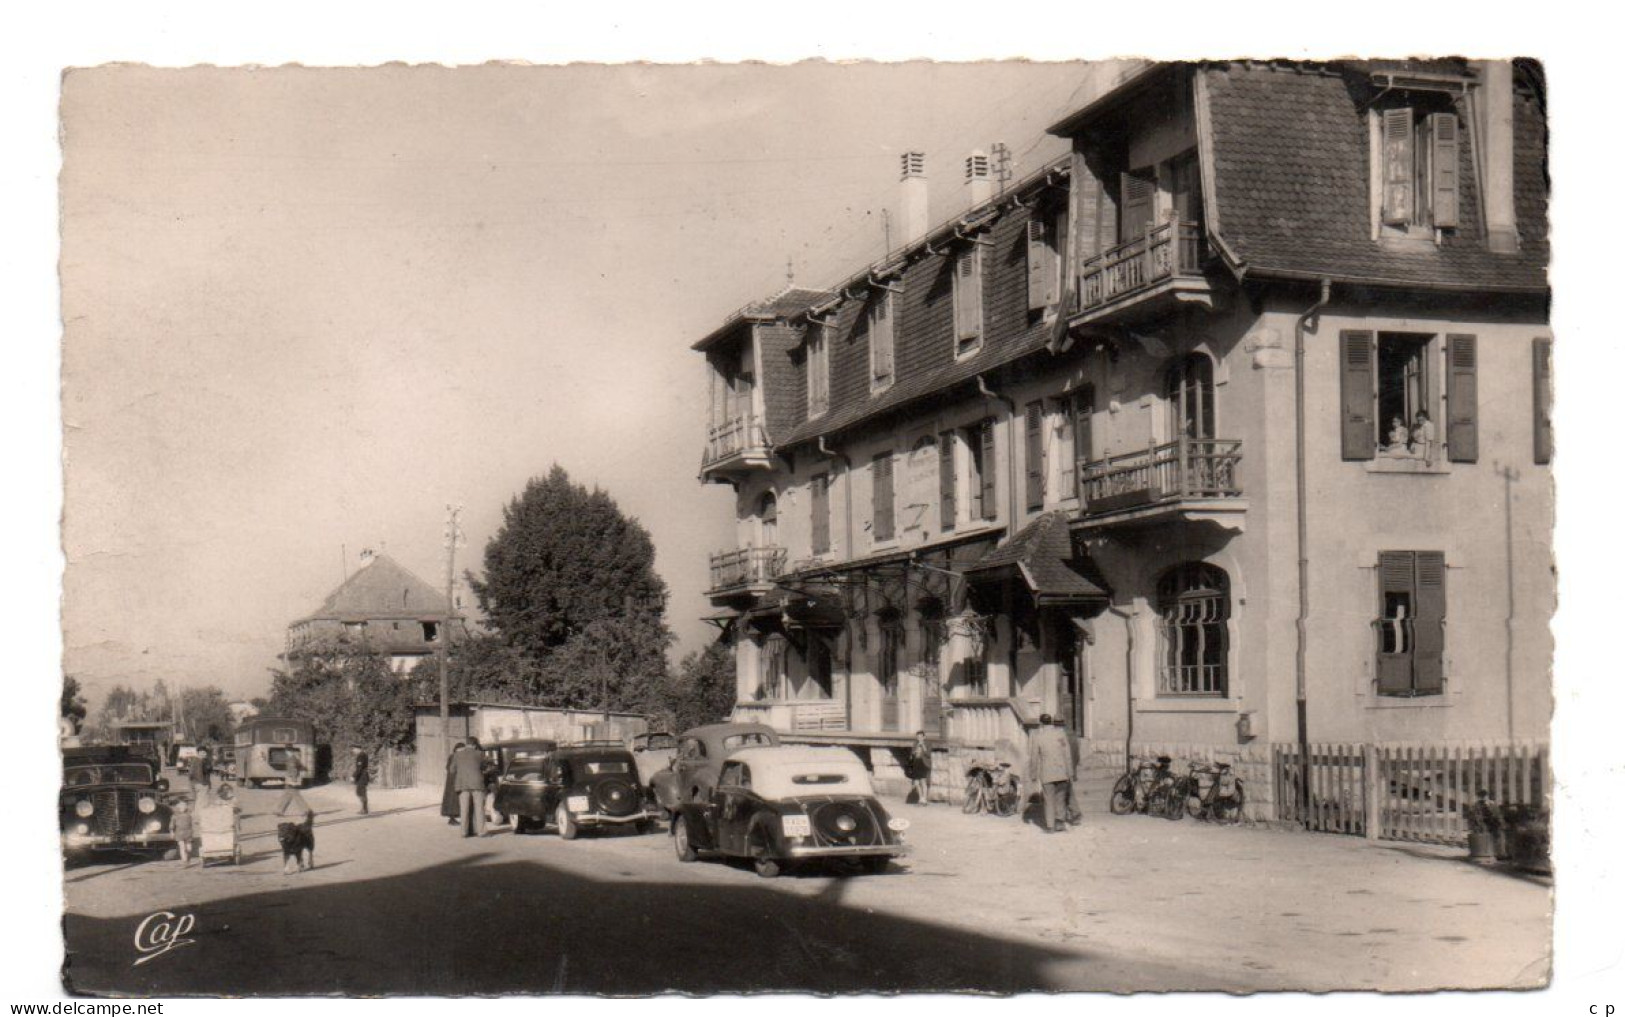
[[747, 570], [1144, 277], [735, 446], [811, 716], [1192, 479]]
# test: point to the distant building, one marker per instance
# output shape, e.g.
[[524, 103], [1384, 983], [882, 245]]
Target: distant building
[[382, 608]]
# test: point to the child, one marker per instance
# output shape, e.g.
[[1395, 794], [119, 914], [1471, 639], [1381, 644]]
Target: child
[[180, 825]]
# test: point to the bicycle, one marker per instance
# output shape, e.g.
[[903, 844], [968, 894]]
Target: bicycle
[[1149, 788], [992, 789], [1217, 799]]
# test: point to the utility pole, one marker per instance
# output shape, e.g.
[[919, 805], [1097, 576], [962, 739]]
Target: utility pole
[[454, 536], [885, 224]]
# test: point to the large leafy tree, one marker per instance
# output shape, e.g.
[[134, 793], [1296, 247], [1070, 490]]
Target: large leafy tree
[[701, 691], [206, 714], [349, 695], [73, 700], [482, 667], [567, 557]]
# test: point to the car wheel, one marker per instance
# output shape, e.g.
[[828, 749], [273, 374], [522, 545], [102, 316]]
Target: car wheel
[[566, 823], [680, 841], [767, 868], [520, 824], [502, 818], [766, 865]]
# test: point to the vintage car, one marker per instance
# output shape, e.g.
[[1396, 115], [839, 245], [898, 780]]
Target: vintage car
[[500, 757], [791, 804], [113, 799], [577, 787], [700, 752], [654, 751]]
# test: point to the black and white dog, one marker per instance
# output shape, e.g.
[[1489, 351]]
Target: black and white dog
[[298, 842]]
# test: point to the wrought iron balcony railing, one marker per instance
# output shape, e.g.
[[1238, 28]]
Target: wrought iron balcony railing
[[1187, 468]]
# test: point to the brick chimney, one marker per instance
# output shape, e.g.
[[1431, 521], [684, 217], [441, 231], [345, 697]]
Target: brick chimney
[[978, 178], [1500, 218], [916, 219]]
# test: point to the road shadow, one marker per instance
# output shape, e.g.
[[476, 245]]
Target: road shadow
[[1506, 869], [476, 926]]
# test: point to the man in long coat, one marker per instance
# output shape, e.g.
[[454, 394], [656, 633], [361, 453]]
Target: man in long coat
[[468, 776], [1051, 758]]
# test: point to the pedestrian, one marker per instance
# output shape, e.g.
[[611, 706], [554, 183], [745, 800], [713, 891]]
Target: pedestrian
[[199, 774], [448, 795], [1051, 763], [468, 764], [918, 768], [180, 824], [361, 777], [293, 778], [1074, 811]]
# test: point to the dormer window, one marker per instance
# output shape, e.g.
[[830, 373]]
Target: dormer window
[[1417, 167], [882, 342], [968, 301], [817, 371]]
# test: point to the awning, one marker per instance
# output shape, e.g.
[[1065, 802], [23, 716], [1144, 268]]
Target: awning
[[1044, 558]]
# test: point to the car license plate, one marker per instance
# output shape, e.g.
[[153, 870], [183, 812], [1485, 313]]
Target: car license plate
[[576, 803], [797, 826]]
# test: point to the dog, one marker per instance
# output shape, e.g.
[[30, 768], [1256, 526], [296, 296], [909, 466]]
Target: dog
[[298, 842]]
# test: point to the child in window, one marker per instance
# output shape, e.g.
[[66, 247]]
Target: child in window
[[1399, 439]]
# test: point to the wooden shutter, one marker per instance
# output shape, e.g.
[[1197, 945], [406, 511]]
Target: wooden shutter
[[1139, 194], [881, 339], [968, 298], [988, 486], [884, 502], [945, 476], [1543, 400], [1461, 396], [1040, 266], [1398, 167], [1396, 573], [1428, 662], [1359, 394], [1069, 456], [1444, 165], [1035, 455], [820, 513]]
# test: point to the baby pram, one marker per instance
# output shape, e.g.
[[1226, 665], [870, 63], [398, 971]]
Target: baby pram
[[218, 826]]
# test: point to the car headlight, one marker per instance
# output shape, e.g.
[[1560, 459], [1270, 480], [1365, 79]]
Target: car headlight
[[897, 824], [797, 826], [145, 805], [81, 828], [82, 807], [153, 826]]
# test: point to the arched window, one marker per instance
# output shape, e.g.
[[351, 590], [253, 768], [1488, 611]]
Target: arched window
[[1188, 387], [1193, 610], [767, 510]]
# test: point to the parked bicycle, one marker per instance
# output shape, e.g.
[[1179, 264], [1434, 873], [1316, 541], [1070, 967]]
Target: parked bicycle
[[1150, 788], [1212, 792], [993, 789]]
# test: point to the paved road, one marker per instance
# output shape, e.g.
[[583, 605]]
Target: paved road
[[400, 902]]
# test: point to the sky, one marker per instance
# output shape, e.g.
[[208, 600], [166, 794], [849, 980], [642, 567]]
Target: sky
[[308, 309]]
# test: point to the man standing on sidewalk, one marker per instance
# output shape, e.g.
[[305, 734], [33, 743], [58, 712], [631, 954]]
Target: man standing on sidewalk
[[361, 777], [1074, 812], [468, 776], [1052, 768]]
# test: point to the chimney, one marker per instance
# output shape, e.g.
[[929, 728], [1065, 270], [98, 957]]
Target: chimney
[[978, 179], [915, 218], [1500, 220], [366, 557]]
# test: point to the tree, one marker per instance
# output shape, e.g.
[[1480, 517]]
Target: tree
[[206, 714], [482, 667], [73, 704], [609, 665], [564, 558], [349, 695], [702, 691]]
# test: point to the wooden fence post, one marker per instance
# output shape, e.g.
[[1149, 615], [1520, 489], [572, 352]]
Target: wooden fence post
[[1371, 771]]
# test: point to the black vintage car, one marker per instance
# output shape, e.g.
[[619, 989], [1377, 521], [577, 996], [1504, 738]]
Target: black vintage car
[[576, 787], [787, 805], [113, 799]]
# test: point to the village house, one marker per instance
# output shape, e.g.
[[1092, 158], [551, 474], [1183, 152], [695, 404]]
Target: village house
[[1228, 431], [380, 608]]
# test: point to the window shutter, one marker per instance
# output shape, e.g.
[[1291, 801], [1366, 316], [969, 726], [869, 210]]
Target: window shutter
[[1359, 388], [1461, 394], [1138, 196], [1083, 423], [945, 474], [1035, 455], [1396, 573], [1543, 400], [884, 503], [1444, 162], [1039, 268], [1430, 608], [881, 339], [1070, 455], [968, 298], [1398, 166], [989, 506], [820, 513]]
